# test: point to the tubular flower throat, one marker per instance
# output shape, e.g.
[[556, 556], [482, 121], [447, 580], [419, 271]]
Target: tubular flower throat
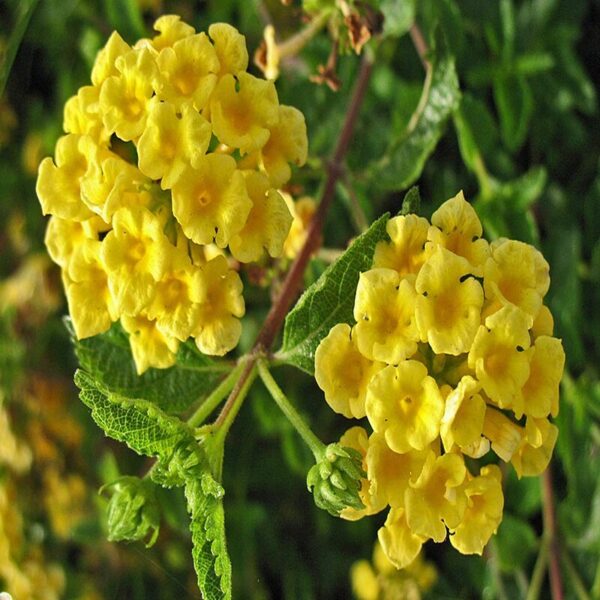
[[174, 149], [452, 354]]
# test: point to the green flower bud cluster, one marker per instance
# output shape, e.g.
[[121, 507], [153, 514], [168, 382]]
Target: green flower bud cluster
[[133, 510], [335, 479]]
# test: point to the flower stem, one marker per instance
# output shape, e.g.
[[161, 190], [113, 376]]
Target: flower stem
[[215, 397], [287, 408], [556, 586], [539, 570]]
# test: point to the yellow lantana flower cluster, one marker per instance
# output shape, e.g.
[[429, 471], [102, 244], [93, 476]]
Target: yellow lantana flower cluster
[[173, 148], [451, 355]]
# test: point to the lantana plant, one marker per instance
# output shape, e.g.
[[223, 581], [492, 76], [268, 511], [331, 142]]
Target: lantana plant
[[167, 181]]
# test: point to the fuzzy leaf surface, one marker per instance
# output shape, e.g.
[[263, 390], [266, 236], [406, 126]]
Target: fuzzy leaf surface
[[408, 150], [329, 300], [108, 359], [205, 504], [139, 423]]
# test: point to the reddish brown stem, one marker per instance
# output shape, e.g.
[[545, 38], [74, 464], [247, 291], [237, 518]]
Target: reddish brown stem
[[293, 281], [556, 586], [420, 45]]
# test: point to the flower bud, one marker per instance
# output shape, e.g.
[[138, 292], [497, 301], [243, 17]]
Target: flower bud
[[132, 510], [336, 479]]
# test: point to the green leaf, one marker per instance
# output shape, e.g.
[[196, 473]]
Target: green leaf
[[139, 423], [398, 15], [516, 543], [409, 149], [411, 202], [126, 17], [211, 561], [514, 100], [107, 358], [328, 301]]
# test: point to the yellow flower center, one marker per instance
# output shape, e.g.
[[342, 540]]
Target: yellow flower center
[[136, 251], [185, 80]]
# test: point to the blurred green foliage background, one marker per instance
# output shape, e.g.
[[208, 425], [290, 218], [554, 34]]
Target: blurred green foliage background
[[522, 140]]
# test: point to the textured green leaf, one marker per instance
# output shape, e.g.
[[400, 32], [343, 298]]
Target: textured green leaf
[[328, 301], [408, 150], [514, 101], [108, 359], [211, 561], [139, 423]]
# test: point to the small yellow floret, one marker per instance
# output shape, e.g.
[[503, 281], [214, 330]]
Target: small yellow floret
[[58, 185], [483, 514], [211, 201], [124, 97], [170, 142], [365, 585], [171, 29], [405, 252], [436, 499], [302, 212], [243, 109], [343, 373], [82, 115], [500, 354], [287, 143], [504, 435], [149, 346], [230, 46], [462, 423], [384, 309], [221, 305], [399, 542], [188, 72], [456, 226], [104, 66], [404, 403], [267, 225], [516, 274], [535, 451], [448, 308]]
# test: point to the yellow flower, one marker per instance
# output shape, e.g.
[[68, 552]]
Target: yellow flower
[[483, 514], [62, 237], [405, 252], [356, 438], [58, 185], [267, 225], [462, 423], [448, 308], [188, 72], [390, 472], [539, 396], [365, 585], [230, 46], [436, 499], [384, 311], [82, 115], [500, 354], [170, 142], [171, 29], [343, 373], [135, 253], [175, 305], [543, 324], [150, 346], [124, 97], [504, 435], [211, 202], [398, 540], [516, 274], [302, 212], [287, 143], [107, 179], [456, 226], [243, 109], [221, 305], [91, 306], [104, 66], [404, 403], [535, 450]]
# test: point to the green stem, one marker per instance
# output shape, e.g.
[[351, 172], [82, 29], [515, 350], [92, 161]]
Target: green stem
[[539, 570], [238, 393], [215, 397], [312, 441]]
